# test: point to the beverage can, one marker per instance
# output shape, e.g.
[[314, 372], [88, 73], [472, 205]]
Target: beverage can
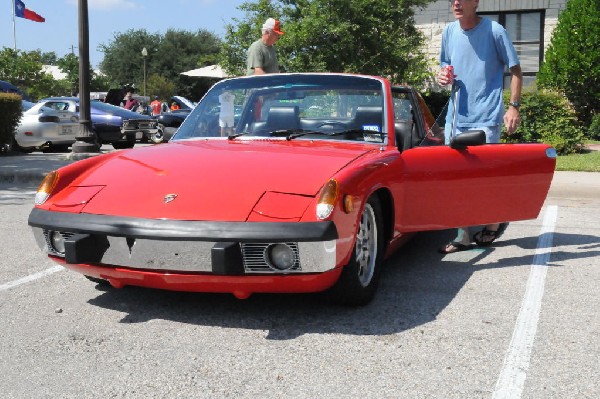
[[450, 73]]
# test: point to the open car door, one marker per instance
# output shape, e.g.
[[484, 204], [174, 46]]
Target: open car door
[[446, 187]]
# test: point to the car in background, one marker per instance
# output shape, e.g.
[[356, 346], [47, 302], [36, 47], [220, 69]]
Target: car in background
[[168, 123], [319, 180], [46, 129], [107, 120], [170, 120], [25, 105], [7, 87]]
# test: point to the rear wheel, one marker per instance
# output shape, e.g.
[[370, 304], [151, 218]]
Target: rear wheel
[[360, 277], [17, 148]]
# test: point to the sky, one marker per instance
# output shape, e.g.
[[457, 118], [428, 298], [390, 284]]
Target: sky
[[109, 17]]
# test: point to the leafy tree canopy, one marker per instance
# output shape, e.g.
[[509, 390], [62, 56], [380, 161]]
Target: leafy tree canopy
[[572, 61], [24, 69], [169, 54], [376, 37]]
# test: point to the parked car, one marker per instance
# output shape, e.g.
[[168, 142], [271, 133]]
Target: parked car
[[107, 120], [168, 123], [319, 180], [25, 105], [45, 129]]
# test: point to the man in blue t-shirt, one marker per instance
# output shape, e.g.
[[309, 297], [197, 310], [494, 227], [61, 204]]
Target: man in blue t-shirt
[[479, 49]]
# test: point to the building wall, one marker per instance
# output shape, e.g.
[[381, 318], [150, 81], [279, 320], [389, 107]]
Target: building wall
[[432, 20]]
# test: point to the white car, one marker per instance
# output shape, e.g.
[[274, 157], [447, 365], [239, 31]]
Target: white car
[[46, 128]]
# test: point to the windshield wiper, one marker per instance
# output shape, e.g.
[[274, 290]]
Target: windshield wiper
[[233, 136], [293, 133]]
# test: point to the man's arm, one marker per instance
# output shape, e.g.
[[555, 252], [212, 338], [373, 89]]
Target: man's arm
[[512, 118]]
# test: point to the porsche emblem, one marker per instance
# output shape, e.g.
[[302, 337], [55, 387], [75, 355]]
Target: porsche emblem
[[169, 197]]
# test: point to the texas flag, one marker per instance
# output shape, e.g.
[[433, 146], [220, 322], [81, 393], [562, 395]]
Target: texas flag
[[22, 12]]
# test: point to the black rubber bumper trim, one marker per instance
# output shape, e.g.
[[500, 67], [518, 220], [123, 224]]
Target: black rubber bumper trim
[[182, 230]]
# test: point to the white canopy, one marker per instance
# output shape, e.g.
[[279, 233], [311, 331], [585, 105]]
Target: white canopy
[[211, 71]]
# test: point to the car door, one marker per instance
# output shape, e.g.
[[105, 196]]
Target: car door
[[445, 187]]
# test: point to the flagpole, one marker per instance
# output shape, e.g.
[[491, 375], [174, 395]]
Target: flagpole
[[14, 25]]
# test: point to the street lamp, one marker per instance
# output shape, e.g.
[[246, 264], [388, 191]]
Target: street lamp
[[144, 54], [86, 140]]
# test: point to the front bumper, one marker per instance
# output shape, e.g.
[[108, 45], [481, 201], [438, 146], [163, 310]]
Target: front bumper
[[175, 246], [139, 127]]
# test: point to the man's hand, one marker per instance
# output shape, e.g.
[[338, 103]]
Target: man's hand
[[442, 77], [512, 118]]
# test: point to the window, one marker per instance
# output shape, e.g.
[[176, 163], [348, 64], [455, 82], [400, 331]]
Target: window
[[526, 30]]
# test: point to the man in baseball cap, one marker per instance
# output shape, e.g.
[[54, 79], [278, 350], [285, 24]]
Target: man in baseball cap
[[262, 56]]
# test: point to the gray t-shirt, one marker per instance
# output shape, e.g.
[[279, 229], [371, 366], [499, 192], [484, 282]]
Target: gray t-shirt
[[261, 56]]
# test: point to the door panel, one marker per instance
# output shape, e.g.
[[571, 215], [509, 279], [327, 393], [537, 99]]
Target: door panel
[[445, 188]]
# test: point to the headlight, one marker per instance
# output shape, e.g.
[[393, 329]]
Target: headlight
[[46, 187], [327, 199]]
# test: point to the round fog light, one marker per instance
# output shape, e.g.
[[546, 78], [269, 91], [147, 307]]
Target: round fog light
[[280, 256], [58, 242]]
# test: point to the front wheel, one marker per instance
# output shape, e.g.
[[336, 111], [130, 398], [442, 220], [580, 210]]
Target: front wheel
[[121, 145], [159, 136], [360, 277]]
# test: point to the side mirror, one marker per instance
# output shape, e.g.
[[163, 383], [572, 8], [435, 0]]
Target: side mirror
[[468, 138]]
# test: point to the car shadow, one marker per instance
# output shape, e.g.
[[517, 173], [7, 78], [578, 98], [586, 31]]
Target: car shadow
[[417, 285]]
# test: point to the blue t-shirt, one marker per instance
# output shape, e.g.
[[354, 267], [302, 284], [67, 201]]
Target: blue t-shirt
[[478, 56]]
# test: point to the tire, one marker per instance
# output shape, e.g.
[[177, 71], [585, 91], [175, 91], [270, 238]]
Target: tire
[[17, 148], [121, 145], [360, 277], [159, 136]]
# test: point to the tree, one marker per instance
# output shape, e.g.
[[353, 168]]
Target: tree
[[69, 64], [24, 69], [168, 55], [572, 61], [161, 87], [123, 61], [376, 37]]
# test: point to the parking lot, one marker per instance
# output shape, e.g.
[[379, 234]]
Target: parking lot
[[518, 319]]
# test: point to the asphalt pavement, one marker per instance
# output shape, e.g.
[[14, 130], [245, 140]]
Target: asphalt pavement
[[30, 169]]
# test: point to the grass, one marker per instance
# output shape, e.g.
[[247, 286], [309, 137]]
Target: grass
[[587, 161]]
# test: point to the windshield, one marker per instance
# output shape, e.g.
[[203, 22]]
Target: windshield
[[294, 106]]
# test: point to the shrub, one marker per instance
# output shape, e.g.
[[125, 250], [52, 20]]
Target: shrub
[[547, 117], [572, 61], [594, 130], [10, 115]]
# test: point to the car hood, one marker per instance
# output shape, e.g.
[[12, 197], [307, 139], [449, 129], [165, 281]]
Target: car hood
[[215, 179]]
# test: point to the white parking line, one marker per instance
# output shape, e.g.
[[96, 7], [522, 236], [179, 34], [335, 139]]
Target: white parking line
[[514, 372], [12, 284]]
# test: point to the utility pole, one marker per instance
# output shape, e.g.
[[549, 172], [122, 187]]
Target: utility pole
[[86, 138]]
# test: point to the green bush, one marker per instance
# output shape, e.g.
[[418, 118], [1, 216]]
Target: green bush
[[572, 61], [547, 117], [594, 130], [10, 115]]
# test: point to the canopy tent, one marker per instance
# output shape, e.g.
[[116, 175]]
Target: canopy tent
[[211, 71]]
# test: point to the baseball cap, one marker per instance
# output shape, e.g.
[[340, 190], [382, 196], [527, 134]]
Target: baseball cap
[[274, 25]]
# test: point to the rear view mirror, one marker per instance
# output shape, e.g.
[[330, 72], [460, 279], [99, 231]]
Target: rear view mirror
[[468, 138]]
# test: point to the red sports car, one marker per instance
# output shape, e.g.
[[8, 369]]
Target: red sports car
[[309, 188]]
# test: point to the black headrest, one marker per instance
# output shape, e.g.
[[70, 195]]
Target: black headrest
[[283, 117], [369, 115]]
